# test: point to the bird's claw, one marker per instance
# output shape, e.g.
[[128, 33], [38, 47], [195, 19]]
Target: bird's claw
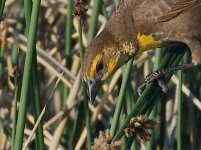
[[163, 86], [156, 75], [141, 88], [151, 77]]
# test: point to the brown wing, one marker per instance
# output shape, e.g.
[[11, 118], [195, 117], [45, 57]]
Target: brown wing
[[145, 14], [179, 8]]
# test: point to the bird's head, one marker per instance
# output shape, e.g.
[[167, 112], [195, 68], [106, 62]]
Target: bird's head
[[98, 65], [101, 60]]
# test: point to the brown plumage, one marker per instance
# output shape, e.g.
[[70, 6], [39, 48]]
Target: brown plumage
[[176, 20], [137, 26]]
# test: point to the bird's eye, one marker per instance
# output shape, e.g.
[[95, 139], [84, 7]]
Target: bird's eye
[[100, 66]]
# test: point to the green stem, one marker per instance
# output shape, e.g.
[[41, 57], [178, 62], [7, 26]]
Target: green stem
[[37, 108], [18, 83], [80, 39], [35, 81], [2, 49], [28, 9], [151, 143], [76, 128], [15, 111], [2, 5], [26, 75], [120, 98], [87, 115], [87, 112], [94, 19], [129, 143], [68, 43]]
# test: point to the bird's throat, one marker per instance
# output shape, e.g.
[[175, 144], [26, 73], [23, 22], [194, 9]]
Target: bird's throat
[[147, 42]]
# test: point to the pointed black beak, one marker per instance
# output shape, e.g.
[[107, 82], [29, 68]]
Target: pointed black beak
[[93, 88]]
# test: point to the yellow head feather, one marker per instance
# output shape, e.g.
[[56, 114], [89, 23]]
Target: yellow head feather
[[93, 66], [111, 65]]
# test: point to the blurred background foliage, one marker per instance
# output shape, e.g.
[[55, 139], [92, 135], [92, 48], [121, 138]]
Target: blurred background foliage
[[48, 87]]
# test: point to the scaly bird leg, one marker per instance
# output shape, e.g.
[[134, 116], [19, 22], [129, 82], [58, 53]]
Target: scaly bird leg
[[156, 75]]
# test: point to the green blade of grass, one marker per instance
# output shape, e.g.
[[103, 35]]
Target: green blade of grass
[[2, 50], [94, 19], [68, 43], [87, 115], [151, 143], [84, 87], [37, 105], [35, 81], [180, 128], [68, 57], [2, 5], [15, 111], [119, 102], [26, 75], [129, 143], [14, 55], [27, 9], [76, 128]]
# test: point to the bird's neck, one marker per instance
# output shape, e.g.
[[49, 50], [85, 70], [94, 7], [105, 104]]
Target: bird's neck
[[147, 42]]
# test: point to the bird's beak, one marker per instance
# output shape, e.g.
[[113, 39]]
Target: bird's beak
[[93, 88]]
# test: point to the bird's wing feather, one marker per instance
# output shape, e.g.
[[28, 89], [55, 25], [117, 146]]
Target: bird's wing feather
[[150, 13], [179, 8]]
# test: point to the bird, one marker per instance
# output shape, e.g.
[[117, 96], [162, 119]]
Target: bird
[[137, 26]]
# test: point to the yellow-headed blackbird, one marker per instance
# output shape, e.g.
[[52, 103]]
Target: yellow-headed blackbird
[[137, 26]]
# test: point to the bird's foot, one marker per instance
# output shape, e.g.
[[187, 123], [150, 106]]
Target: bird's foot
[[151, 77], [163, 86], [156, 75]]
